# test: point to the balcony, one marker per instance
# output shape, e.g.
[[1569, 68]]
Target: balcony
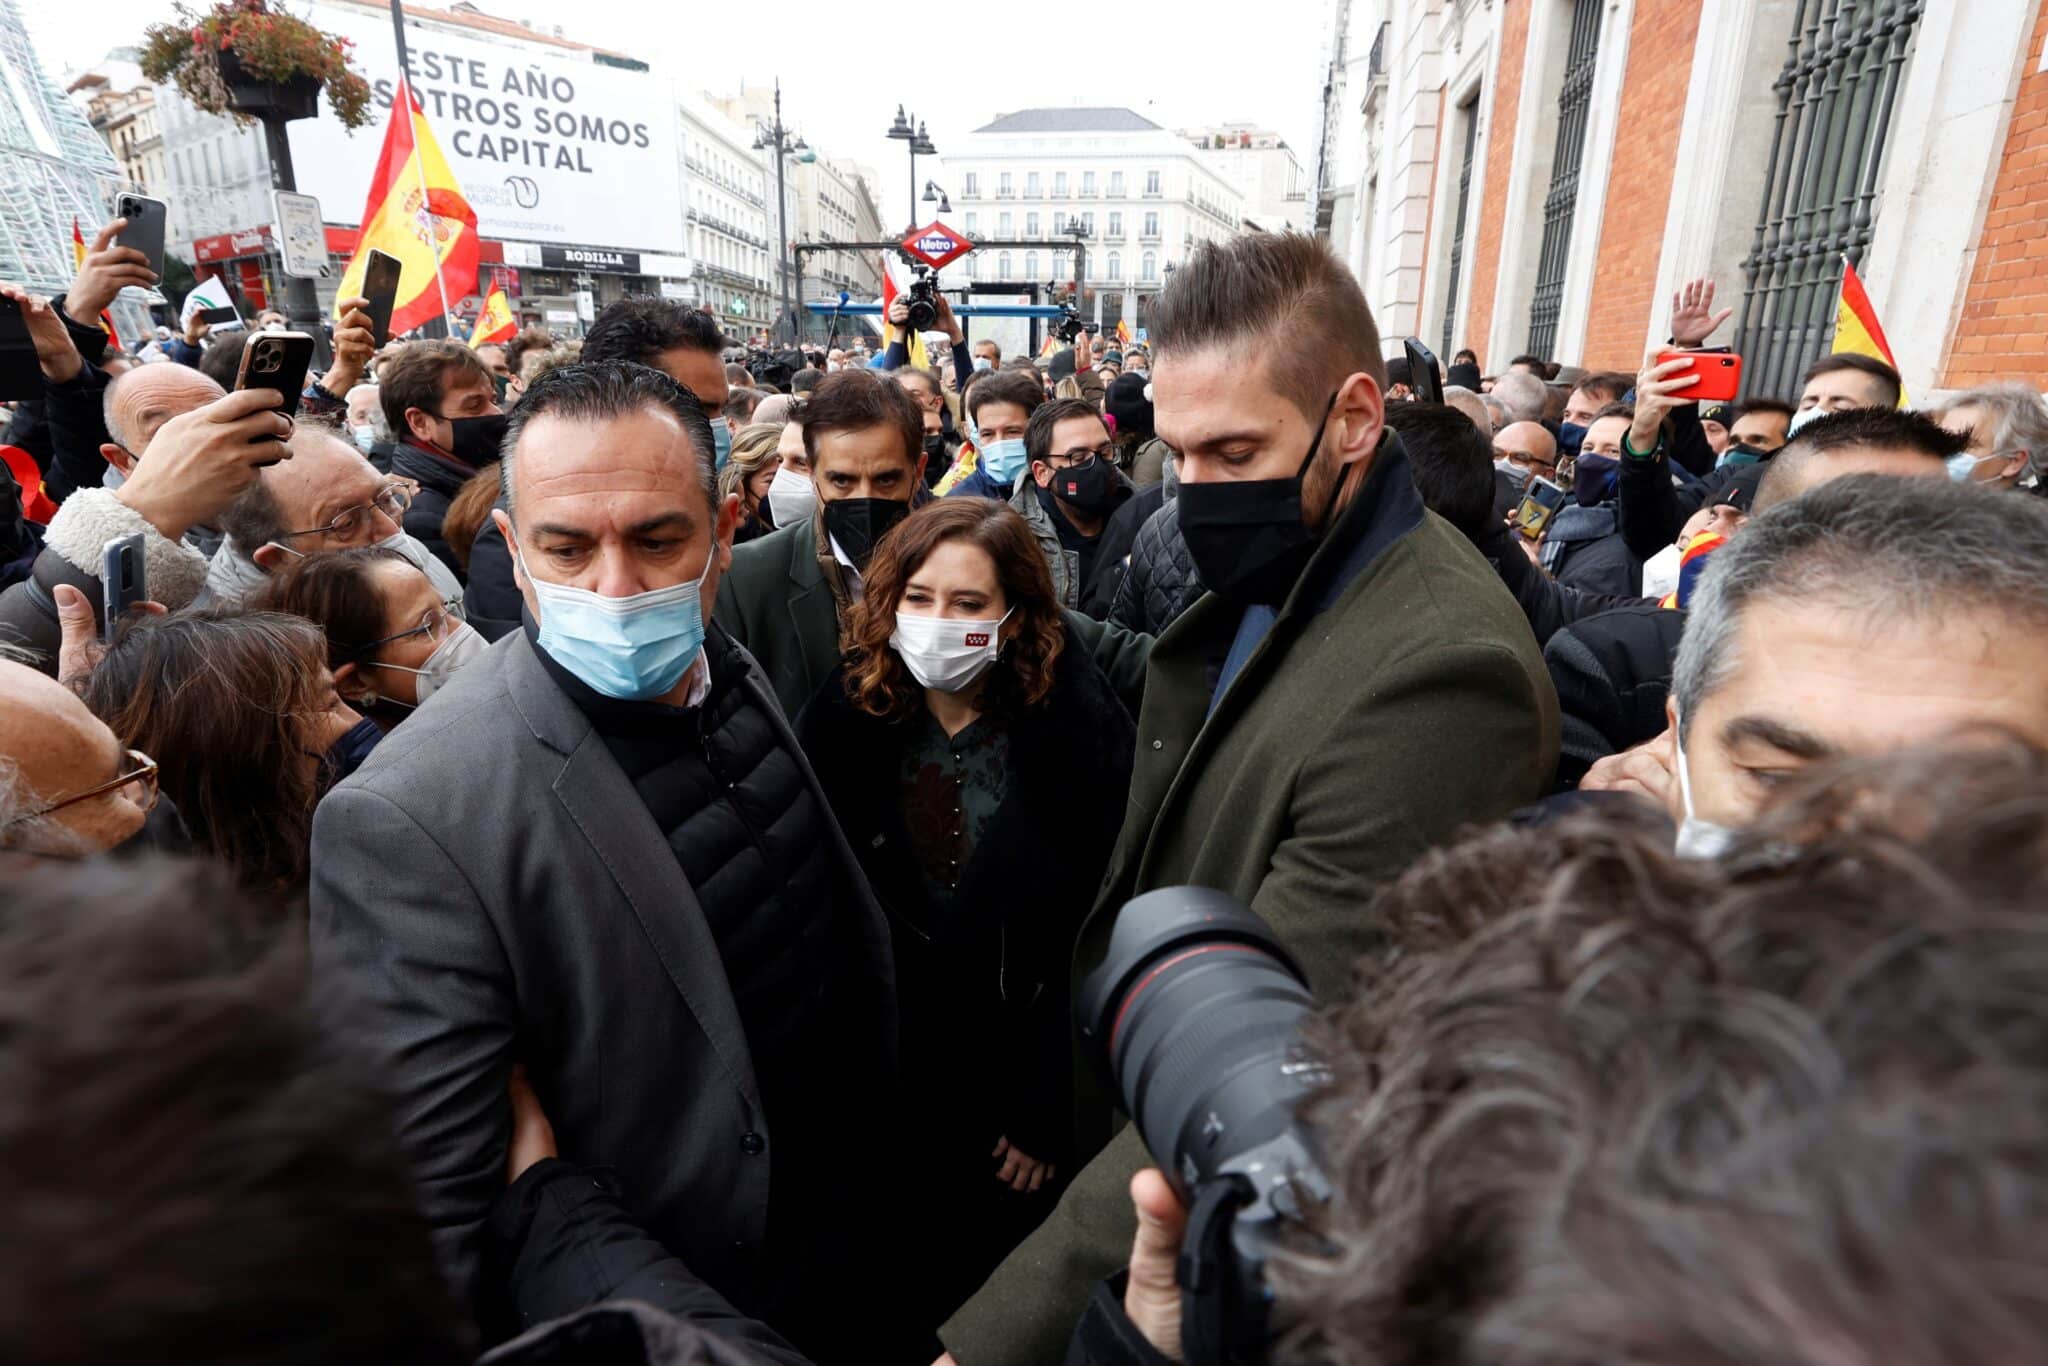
[[1006, 194], [1087, 192]]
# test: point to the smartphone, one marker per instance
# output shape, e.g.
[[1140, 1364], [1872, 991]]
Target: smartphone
[[277, 360], [224, 314], [380, 287], [123, 581], [1719, 375], [21, 374], [1425, 377], [145, 230], [1539, 504]]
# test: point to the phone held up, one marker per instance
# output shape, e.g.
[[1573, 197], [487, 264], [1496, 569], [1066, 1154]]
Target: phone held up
[[123, 581], [1717, 374], [1538, 506], [145, 228], [277, 360], [1425, 377], [380, 287], [21, 374]]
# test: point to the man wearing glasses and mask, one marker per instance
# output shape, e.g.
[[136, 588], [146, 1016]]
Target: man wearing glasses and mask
[[1074, 487], [326, 497]]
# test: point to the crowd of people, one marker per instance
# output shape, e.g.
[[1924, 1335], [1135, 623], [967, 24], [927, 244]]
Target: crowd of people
[[587, 849]]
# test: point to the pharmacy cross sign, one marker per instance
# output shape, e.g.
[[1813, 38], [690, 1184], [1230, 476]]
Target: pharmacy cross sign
[[936, 244]]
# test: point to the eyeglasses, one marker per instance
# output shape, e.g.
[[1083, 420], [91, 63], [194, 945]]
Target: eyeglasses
[[392, 500], [1523, 458], [1083, 458], [139, 770], [437, 624]]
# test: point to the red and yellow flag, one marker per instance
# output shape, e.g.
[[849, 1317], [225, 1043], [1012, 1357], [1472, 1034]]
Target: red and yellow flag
[[78, 263], [414, 210], [913, 340], [495, 323], [1123, 331], [1857, 329]]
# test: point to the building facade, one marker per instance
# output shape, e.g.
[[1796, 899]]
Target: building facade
[[1264, 169], [121, 107], [1139, 196], [1542, 175], [731, 223]]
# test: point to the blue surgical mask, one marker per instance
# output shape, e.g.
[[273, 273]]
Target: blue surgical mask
[[1004, 460], [366, 437], [721, 441], [984, 363], [1962, 468], [634, 648]]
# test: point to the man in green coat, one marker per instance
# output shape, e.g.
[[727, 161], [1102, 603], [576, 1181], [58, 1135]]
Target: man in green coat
[[1355, 686]]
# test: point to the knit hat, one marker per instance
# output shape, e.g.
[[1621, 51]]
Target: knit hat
[[1126, 402]]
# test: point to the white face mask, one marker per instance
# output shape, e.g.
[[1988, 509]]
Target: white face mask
[[463, 646], [790, 497], [1696, 838], [1805, 417], [947, 654], [366, 437]]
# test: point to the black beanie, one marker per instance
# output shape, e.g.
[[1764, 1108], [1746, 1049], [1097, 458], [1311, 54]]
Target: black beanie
[[1126, 402]]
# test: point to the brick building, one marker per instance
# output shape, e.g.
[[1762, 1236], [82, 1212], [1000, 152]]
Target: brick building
[[1541, 175]]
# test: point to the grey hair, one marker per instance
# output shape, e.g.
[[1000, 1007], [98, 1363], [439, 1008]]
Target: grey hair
[[1886, 547], [1522, 395], [2022, 420], [115, 433], [608, 389], [20, 830]]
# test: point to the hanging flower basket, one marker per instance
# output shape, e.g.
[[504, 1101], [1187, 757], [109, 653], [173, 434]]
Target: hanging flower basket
[[250, 59]]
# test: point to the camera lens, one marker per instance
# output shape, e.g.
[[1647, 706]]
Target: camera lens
[[1195, 1010]]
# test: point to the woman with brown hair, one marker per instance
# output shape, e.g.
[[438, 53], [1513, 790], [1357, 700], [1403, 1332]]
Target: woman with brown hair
[[978, 761], [392, 641], [246, 728], [749, 470]]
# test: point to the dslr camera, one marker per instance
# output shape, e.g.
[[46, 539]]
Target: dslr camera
[[923, 299], [1070, 324], [1194, 1013]]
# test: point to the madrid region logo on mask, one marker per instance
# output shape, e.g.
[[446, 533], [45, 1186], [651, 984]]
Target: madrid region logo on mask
[[977, 640]]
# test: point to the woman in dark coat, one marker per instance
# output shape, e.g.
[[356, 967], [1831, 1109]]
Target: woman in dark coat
[[978, 761]]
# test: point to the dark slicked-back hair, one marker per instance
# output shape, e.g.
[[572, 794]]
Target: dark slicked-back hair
[[1791, 470], [1451, 462], [1611, 1105], [1607, 386], [855, 400], [599, 392], [199, 1164], [418, 376], [1022, 387], [1868, 365], [639, 329], [1249, 293]]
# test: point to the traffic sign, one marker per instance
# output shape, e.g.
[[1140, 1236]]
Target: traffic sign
[[935, 244]]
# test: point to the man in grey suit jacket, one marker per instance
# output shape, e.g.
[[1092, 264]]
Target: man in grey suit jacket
[[599, 853]]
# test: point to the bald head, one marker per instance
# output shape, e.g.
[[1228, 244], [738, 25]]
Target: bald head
[[146, 397], [50, 748], [292, 500]]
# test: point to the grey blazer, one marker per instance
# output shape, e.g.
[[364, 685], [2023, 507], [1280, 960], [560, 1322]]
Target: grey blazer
[[497, 893]]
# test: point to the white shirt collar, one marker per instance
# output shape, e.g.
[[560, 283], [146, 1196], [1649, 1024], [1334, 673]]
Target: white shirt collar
[[847, 568]]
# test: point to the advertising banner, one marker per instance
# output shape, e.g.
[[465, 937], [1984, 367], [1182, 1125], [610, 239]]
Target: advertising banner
[[547, 149]]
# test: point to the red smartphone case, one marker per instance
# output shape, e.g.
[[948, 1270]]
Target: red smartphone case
[[1719, 372]]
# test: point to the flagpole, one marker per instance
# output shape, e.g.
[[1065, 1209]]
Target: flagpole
[[419, 164]]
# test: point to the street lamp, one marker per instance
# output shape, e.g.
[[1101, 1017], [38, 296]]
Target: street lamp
[[908, 128], [934, 192], [777, 138]]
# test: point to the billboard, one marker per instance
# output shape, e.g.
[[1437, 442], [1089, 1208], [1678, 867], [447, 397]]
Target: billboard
[[546, 149]]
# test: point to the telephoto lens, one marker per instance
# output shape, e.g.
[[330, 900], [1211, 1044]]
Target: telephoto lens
[[1195, 1012]]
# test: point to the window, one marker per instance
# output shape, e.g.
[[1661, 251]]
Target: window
[[1031, 224], [1116, 184], [1835, 103], [1003, 223], [1152, 225], [1003, 266], [1152, 183], [1059, 222], [1574, 98], [1003, 190], [1031, 185], [1059, 184], [1116, 266], [1148, 267], [972, 222], [1470, 112], [1087, 184], [1116, 227], [1031, 265], [1088, 224], [973, 266]]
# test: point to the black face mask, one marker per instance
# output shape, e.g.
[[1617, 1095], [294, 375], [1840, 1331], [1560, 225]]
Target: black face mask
[[1087, 490], [478, 440], [859, 524], [934, 450], [346, 755], [1249, 538]]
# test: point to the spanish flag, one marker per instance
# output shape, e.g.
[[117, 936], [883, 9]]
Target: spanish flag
[[1691, 564], [1123, 332], [913, 340], [495, 323], [416, 212], [1857, 329], [78, 263]]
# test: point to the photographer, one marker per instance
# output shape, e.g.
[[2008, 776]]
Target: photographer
[[898, 354]]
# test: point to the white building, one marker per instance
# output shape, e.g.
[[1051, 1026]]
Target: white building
[[1264, 169], [1141, 196], [731, 223]]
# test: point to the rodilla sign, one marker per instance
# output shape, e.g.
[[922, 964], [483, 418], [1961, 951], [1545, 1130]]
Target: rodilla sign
[[547, 149]]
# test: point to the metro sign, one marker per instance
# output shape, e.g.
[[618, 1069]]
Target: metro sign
[[936, 244]]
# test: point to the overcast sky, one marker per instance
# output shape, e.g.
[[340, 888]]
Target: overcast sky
[[844, 67]]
